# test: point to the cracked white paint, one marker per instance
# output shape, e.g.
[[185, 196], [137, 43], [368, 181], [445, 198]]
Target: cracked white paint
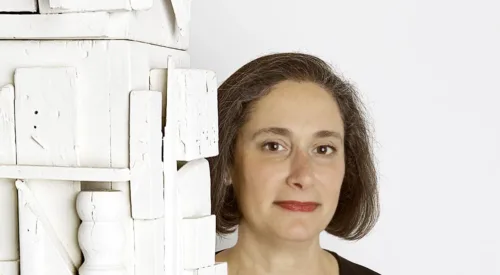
[[83, 117], [155, 25], [102, 235], [146, 183], [38, 237], [40, 94], [197, 119], [9, 240]]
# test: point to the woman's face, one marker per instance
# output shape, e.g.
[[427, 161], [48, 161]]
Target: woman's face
[[289, 162]]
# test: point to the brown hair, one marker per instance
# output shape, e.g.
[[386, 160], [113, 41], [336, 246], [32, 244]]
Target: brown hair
[[358, 208]]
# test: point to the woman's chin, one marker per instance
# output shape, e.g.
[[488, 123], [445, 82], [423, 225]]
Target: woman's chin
[[297, 233]]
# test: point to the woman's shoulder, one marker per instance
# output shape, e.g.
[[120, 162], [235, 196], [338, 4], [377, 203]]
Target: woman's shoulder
[[347, 267]]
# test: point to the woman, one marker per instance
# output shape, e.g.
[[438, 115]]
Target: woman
[[295, 159]]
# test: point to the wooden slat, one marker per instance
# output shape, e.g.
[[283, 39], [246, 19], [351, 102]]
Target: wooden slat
[[46, 135], [9, 240], [146, 167], [64, 173]]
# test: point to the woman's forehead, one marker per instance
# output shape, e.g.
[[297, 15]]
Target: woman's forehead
[[296, 106]]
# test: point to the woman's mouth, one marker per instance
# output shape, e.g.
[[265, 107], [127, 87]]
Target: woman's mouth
[[297, 206]]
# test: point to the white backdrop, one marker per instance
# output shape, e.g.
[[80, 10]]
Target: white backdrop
[[430, 73]]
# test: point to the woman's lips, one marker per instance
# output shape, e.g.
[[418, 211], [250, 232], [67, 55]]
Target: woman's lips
[[298, 206]]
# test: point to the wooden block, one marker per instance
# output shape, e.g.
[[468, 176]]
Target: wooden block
[[146, 166], [149, 246], [141, 4], [64, 173], [221, 268], [217, 269], [197, 120], [9, 240], [18, 6], [46, 122], [46, 116], [61, 6], [9, 267], [39, 26], [182, 10], [193, 180], [198, 235], [155, 25], [43, 250]]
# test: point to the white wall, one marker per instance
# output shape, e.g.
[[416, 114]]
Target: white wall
[[430, 72]]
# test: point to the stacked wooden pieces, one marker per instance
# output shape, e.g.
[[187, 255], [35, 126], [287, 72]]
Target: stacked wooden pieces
[[158, 22]]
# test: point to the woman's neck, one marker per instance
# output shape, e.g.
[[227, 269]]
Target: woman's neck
[[257, 254]]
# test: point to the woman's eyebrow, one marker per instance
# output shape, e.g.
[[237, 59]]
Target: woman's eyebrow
[[287, 133], [273, 130], [327, 134]]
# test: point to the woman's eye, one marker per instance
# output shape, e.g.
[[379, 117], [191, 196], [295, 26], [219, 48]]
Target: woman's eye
[[272, 146], [325, 149]]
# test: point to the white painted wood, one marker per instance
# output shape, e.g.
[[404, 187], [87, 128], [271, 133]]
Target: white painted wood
[[158, 82], [221, 268], [41, 26], [43, 249], [173, 216], [141, 4], [107, 72], [193, 180], [46, 116], [102, 234], [46, 123], [156, 25], [62, 6], [182, 10], [198, 236], [9, 267], [217, 269], [149, 246], [196, 92], [146, 166], [64, 173], [9, 240], [18, 6]]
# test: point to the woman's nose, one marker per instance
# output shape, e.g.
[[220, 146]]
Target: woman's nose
[[301, 174]]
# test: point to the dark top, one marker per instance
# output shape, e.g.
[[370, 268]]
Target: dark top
[[347, 267]]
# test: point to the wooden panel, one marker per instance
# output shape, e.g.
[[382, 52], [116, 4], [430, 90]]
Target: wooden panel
[[46, 122], [18, 6], [62, 6], [141, 4], [9, 240], [198, 236], [149, 246], [146, 167], [197, 122], [193, 180], [93, 24]]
